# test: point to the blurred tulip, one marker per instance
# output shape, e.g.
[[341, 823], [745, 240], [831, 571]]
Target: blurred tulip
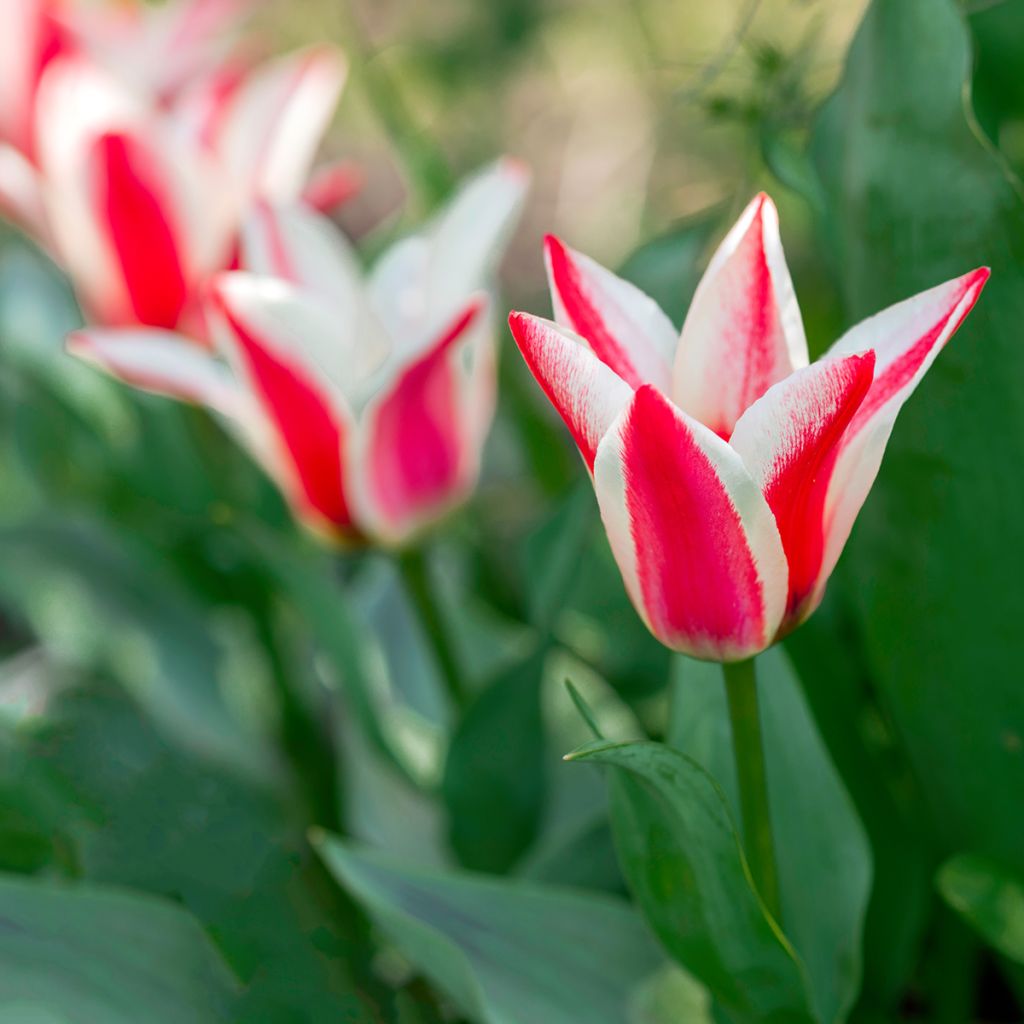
[[140, 205], [728, 471], [157, 49], [367, 399]]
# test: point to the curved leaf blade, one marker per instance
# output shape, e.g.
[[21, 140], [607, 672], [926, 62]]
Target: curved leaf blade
[[683, 860], [506, 951]]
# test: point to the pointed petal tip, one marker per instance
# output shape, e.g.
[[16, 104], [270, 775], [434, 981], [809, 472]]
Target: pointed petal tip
[[515, 167], [553, 245], [519, 322], [978, 278]]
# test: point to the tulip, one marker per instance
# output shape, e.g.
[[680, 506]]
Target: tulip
[[728, 469], [158, 50], [153, 51], [367, 399], [141, 206]]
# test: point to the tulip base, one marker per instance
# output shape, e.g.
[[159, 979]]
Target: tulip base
[[748, 751]]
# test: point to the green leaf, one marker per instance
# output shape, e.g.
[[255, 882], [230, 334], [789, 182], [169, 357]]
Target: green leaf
[[506, 952], [916, 197], [824, 867], [496, 759], [682, 858], [143, 814], [990, 898], [99, 956]]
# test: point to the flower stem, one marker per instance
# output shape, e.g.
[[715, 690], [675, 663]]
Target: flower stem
[[748, 751], [416, 574]]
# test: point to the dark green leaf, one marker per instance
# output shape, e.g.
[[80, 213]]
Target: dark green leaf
[[506, 952], [915, 198], [141, 813], [682, 857], [91, 955], [824, 867], [496, 760], [990, 897]]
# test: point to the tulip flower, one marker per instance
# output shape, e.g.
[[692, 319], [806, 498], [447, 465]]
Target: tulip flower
[[728, 470], [153, 51], [367, 399], [142, 206]]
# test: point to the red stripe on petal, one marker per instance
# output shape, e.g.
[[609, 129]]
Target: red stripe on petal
[[743, 332], [331, 186], [134, 210], [901, 371], [309, 430], [279, 255], [697, 575], [584, 315], [416, 450], [799, 477]]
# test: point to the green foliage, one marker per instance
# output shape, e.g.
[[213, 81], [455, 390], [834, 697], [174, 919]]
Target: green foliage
[[506, 952], [824, 871], [914, 198], [92, 955], [496, 759], [686, 868], [989, 897]]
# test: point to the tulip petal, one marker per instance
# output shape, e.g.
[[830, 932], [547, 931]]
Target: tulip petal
[[311, 424], [298, 245], [743, 331], [694, 538], [275, 119], [133, 207], [584, 391], [77, 103], [419, 284], [332, 185], [21, 200], [161, 362], [624, 328], [788, 440], [906, 338], [31, 37], [329, 338], [415, 452]]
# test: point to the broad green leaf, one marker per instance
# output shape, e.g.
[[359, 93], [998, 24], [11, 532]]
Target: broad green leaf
[[881, 782], [824, 859], [143, 814], [915, 197], [671, 997], [681, 855], [990, 898], [496, 759], [91, 955], [506, 952]]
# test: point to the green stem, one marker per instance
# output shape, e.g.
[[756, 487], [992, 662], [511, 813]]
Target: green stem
[[748, 751], [416, 574], [304, 740]]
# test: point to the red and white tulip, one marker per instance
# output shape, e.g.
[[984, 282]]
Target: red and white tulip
[[142, 205], [728, 469], [367, 399]]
